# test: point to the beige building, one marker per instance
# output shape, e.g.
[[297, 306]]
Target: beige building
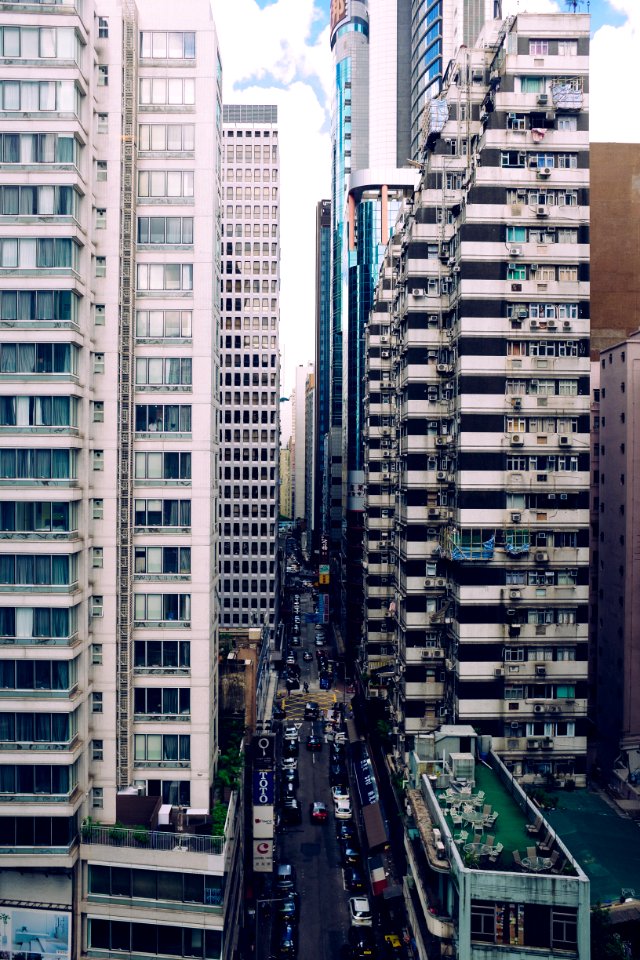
[[285, 482]]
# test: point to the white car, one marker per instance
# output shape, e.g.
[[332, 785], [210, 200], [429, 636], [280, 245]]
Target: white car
[[289, 763], [342, 808], [360, 912], [291, 732], [339, 793]]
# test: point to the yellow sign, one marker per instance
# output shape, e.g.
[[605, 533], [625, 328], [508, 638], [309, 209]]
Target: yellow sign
[[324, 578], [338, 11]]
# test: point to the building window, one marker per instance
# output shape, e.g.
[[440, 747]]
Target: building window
[[538, 48], [97, 798], [97, 558], [96, 654], [170, 137], [97, 750], [101, 266], [98, 411], [102, 123], [165, 276], [98, 362], [101, 170], [97, 608], [168, 46], [99, 314], [103, 28], [97, 509], [97, 459], [101, 218], [564, 929], [167, 91], [103, 75], [96, 703]]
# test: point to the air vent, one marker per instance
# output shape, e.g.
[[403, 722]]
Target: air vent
[[516, 517], [564, 441]]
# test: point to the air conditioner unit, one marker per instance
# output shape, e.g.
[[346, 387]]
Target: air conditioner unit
[[428, 583], [564, 496], [534, 325], [566, 325], [441, 475], [522, 313], [544, 173], [418, 292], [451, 262], [541, 671], [514, 594], [543, 99], [538, 708], [434, 514], [564, 441], [516, 287], [384, 535], [514, 724], [513, 744], [386, 476], [516, 517], [542, 211], [516, 439], [517, 403], [516, 322], [442, 441], [384, 339], [385, 354], [532, 744], [553, 709], [498, 672], [443, 368], [551, 325], [448, 664], [515, 252], [385, 431], [533, 267], [427, 655], [441, 582], [541, 556]]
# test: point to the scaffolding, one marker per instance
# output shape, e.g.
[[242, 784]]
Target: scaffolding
[[125, 389]]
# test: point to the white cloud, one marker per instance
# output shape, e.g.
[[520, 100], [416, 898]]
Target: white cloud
[[614, 117], [269, 56]]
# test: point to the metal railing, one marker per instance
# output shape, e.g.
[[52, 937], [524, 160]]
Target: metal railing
[[151, 839]]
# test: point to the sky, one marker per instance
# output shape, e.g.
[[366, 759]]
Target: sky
[[277, 51]]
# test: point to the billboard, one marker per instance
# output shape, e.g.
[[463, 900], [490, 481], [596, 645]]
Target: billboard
[[263, 788], [263, 751], [264, 822], [263, 856], [35, 934], [338, 12]]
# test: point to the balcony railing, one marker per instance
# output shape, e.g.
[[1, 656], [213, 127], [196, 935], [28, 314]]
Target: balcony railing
[[152, 840]]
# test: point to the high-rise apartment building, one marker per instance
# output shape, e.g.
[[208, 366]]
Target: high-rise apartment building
[[109, 286], [478, 410], [388, 58], [250, 366], [309, 454], [299, 440]]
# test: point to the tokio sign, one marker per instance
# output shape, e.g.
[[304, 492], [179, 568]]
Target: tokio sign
[[263, 788], [263, 751], [263, 856]]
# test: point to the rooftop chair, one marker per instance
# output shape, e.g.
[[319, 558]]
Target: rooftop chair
[[534, 828], [547, 844], [517, 859]]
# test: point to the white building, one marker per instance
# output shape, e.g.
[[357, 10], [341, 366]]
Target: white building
[[298, 433], [250, 366], [478, 411], [109, 283]]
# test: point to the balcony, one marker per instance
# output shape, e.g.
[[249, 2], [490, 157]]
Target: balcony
[[151, 840]]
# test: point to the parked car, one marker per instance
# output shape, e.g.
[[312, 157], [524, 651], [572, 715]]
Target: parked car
[[291, 813], [345, 830], [342, 809], [279, 713], [340, 792], [325, 681], [337, 773], [290, 732], [290, 748], [318, 812], [354, 879], [288, 908], [288, 791], [289, 763], [285, 877], [286, 940], [362, 942], [351, 855], [289, 775], [360, 912]]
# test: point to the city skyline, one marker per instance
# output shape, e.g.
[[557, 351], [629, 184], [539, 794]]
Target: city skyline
[[282, 56]]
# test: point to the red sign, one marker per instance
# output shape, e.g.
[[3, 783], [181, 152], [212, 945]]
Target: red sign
[[338, 11]]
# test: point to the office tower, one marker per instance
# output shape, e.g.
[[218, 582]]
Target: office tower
[[250, 366], [299, 440], [108, 335], [322, 366], [438, 29], [309, 454], [487, 288]]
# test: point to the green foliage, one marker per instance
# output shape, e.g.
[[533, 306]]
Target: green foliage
[[218, 819]]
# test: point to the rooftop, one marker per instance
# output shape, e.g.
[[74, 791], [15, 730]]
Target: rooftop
[[605, 843]]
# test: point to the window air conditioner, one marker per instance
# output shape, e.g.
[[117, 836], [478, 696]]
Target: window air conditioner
[[542, 211], [385, 431], [517, 403], [428, 583], [515, 252], [426, 655], [564, 441], [541, 671], [434, 514], [441, 582], [532, 744], [514, 594], [543, 99], [418, 292], [541, 556], [516, 518], [533, 267], [384, 339], [385, 354], [538, 708], [386, 477], [441, 475], [517, 439], [442, 441], [566, 325], [544, 173], [516, 287], [551, 325], [534, 325], [443, 368]]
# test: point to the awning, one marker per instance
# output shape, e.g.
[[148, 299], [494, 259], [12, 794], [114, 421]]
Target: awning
[[374, 825]]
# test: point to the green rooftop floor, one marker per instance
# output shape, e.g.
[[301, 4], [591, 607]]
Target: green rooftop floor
[[510, 827], [605, 844]]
